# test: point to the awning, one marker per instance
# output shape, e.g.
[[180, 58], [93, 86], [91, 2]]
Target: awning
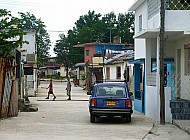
[[166, 60], [137, 61], [141, 60]]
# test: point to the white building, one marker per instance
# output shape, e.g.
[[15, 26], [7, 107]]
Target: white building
[[176, 56], [116, 67], [29, 58]]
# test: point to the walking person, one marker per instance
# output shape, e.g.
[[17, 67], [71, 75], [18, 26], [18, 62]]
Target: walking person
[[68, 88], [50, 90]]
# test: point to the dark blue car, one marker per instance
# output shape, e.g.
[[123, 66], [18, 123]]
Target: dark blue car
[[110, 99]]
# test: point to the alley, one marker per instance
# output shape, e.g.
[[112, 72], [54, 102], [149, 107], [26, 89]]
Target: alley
[[62, 119]]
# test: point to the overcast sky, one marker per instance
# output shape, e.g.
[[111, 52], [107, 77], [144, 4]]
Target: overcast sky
[[60, 15]]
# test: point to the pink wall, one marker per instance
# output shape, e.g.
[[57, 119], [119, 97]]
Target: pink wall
[[91, 49]]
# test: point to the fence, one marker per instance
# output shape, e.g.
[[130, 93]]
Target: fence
[[8, 94]]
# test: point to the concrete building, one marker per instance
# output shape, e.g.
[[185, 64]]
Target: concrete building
[[29, 63], [94, 53], [176, 58]]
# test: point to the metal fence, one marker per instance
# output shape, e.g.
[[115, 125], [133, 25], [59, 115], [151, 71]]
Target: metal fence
[[178, 4], [181, 86]]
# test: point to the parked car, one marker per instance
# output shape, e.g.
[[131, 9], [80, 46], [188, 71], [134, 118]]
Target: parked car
[[110, 99]]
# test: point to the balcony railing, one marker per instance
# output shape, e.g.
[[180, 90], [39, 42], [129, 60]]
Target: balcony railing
[[154, 6], [178, 4], [180, 85]]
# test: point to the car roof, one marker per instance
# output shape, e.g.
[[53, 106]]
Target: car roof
[[110, 84]]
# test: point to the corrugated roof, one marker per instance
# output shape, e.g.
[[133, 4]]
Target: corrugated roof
[[126, 55]]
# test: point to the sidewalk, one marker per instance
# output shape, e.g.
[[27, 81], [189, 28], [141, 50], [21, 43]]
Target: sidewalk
[[166, 132], [183, 124]]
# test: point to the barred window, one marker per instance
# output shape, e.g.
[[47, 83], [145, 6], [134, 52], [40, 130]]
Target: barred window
[[140, 23], [87, 52]]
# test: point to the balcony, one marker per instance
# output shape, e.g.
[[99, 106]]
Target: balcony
[[176, 21]]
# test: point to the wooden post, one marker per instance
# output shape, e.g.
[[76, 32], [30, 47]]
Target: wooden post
[[161, 55]]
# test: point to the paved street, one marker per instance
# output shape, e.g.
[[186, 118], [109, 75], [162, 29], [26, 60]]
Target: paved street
[[69, 120]]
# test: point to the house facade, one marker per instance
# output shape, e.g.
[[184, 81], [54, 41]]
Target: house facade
[[176, 57], [94, 53], [117, 68], [29, 64], [50, 68]]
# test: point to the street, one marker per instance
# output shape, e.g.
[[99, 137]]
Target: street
[[69, 120]]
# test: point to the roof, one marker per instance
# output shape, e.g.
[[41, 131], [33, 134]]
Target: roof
[[137, 61], [50, 67], [96, 43], [80, 65], [124, 55], [136, 5]]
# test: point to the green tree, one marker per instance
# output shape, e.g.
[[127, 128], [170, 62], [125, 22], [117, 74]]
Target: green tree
[[125, 27], [65, 52], [86, 27], [62, 51], [94, 27], [9, 32], [29, 21], [76, 54]]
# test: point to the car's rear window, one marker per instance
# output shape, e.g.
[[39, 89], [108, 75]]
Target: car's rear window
[[116, 91]]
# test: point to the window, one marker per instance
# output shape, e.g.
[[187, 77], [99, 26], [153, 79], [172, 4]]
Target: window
[[118, 72], [87, 52], [116, 91], [107, 73], [140, 23], [126, 74]]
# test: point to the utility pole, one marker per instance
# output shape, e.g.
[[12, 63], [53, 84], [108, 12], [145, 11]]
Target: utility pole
[[110, 34], [161, 55]]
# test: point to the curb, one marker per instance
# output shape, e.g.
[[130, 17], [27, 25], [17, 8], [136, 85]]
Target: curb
[[182, 126]]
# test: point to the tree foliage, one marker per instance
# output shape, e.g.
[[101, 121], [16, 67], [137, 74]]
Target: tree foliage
[[10, 34], [94, 27], [29, 21]]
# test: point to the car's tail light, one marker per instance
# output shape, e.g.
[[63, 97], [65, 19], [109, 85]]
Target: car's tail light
[[128, 103], [93, 102]]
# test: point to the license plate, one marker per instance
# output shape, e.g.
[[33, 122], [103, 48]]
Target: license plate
[[111, 103]]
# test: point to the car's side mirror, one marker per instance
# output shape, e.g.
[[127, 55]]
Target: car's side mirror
[[89, 93]]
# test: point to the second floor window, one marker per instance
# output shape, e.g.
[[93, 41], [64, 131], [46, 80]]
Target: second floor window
[[140, 23], [87, 52]]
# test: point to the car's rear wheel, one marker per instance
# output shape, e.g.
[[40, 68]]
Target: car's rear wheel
[[92, 118], [128, 119]]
